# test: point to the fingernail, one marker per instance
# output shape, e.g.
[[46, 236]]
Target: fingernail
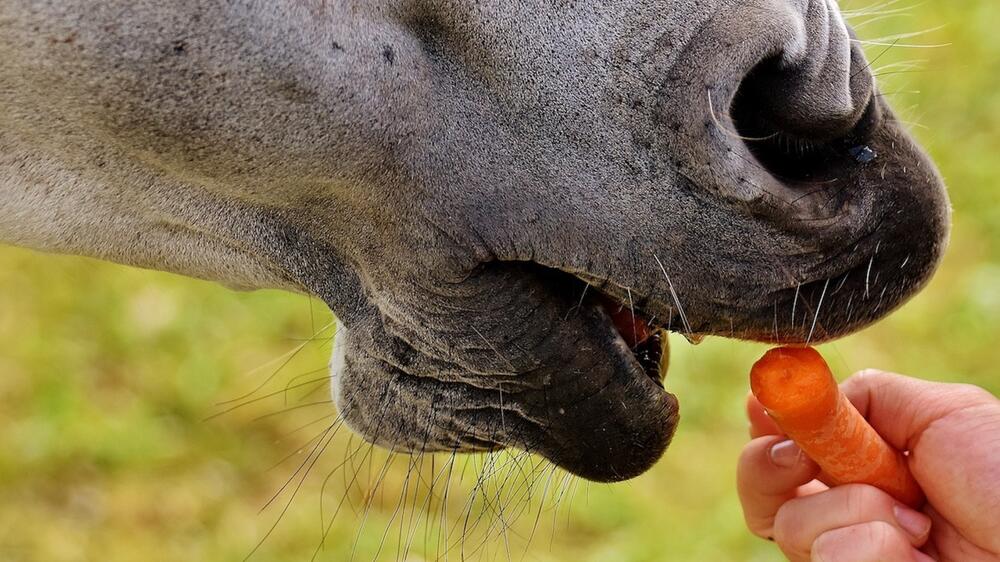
[[913, 522], [785, 454]]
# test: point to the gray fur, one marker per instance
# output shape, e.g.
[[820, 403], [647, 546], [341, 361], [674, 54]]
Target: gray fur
[[444, 172]]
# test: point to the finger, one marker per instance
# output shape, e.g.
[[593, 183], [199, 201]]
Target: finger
[[799, 522], [875, 541], [900, 408], [761, 424], [769, 473]]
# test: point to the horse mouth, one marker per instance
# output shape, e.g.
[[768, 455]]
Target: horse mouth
[[644, 338]]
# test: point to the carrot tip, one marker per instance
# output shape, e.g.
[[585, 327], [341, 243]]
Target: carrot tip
[[793, 380]]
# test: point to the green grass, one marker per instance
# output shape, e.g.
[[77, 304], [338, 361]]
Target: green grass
[[108, 373]]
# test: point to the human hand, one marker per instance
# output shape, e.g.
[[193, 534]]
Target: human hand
[[952, 433]]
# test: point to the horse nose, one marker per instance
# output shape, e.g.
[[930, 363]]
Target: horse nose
[[816, 86], [763, 82]]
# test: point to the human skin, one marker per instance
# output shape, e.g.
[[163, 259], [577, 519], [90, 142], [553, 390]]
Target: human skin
[[952, 433]]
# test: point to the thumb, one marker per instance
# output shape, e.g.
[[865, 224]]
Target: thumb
[[901, 408], [951, 432]]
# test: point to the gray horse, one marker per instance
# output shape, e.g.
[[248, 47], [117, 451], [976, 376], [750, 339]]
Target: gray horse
[[477, 189]]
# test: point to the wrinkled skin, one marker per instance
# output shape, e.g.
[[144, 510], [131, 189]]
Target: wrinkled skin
[[459, 181]]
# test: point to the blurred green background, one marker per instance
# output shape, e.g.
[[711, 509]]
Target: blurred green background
[[107, 376]]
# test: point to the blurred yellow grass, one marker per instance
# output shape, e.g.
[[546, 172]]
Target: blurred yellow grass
[[107, 375]]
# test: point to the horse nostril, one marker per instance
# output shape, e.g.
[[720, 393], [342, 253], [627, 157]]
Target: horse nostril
[[785, 107], [795, 147]]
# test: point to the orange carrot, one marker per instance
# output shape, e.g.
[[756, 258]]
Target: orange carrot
[[797, 389]]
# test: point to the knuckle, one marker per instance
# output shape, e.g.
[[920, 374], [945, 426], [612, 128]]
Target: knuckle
[[874, 377], [750, 453], [875, 540], [869, 374], [956, 398], [972, 394], [788, 531], [827, 545], [884, 538], [753, 464], [862, 499], [782, 530], [870, 379]]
